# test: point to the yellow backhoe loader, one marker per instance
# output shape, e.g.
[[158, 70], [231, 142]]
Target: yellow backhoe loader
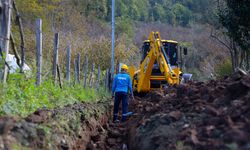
[[159, 66]]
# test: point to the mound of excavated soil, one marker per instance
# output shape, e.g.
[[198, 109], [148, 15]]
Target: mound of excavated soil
[[213, 115], [70, 127]]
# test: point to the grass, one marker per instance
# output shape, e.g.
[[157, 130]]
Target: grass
[[21, 97], [224, 69]]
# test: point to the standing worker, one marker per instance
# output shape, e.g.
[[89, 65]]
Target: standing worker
[[121, 87]]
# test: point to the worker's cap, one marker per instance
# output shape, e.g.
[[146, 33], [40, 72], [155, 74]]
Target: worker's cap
[[124, 67]]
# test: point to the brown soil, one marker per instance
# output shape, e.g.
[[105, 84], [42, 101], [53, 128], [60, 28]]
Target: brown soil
[[65, 128], [213, 115]]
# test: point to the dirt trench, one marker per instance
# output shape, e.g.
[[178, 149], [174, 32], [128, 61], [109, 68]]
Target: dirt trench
[[213, 115], [198, 115], [74, 127]]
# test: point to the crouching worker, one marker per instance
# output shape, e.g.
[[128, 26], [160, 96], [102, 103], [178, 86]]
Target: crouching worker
[[122, 86]]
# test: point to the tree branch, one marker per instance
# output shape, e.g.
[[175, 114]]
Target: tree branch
[[219, 40], [20, 25], [12, 43]]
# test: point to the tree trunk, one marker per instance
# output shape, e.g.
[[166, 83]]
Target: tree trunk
[[232, 61], [242, 58], [59, 75], [248, 57], [236, 55], [20, 25], [228, 45], [78, 67], [13, 46]]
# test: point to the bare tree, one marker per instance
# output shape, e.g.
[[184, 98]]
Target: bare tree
[[230, 44]]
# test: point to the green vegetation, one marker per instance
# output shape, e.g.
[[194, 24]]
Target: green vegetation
[[175, 12], [21, 96], [224, 69], [234, 17]]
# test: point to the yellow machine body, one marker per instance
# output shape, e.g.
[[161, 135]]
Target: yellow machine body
[[155, 54]]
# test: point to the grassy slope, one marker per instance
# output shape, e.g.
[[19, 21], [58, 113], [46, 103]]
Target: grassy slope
[[21, 96]]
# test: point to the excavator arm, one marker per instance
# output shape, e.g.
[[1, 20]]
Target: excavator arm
[[143, 84], [171, 75]]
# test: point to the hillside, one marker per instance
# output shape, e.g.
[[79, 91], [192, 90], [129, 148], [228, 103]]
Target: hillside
[[89, 30]]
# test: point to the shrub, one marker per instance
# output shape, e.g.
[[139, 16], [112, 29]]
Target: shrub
[[224, 69]]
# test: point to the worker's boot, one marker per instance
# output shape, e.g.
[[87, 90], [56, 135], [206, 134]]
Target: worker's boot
[[115, 118], [124, 118]]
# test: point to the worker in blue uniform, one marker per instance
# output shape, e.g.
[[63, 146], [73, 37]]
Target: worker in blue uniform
[[121, 88]]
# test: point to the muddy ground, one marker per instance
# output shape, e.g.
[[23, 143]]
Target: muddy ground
[[213, 115]]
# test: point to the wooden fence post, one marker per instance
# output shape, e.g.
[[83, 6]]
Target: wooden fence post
[[78, 67], [98, 78], [106, 79], [75, 70], [91, 74], [86, 71], [68, 63], [55, 56], [39, 51], [59, 75], [6, 29], [110, 80]]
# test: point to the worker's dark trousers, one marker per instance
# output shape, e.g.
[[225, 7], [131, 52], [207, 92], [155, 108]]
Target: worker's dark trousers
[[121, 96]]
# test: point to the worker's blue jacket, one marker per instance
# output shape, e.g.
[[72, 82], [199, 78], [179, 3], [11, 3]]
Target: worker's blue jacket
[[122, 83]]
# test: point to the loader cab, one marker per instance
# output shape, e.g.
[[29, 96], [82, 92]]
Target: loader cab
[[145, 49], [171, 49]]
